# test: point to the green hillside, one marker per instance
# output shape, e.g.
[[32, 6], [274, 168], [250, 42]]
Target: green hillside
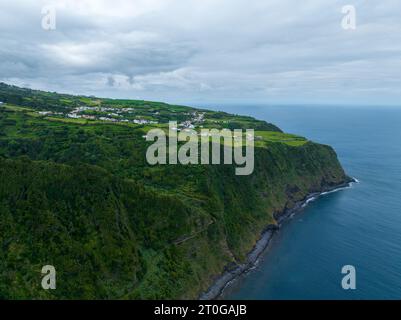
[[76, 192]]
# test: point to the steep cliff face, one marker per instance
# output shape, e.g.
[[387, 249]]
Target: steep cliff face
[[113, 238], [242, 207]]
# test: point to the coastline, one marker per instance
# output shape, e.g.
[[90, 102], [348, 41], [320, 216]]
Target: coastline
[[228, 276]]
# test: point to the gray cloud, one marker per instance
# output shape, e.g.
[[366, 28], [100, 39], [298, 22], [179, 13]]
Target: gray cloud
[[206, 51]]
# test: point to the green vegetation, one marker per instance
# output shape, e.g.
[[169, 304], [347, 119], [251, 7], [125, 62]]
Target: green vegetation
[[86, 109], [78, 194], [263, 138]]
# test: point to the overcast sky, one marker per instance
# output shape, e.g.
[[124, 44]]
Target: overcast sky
[[206, 51]]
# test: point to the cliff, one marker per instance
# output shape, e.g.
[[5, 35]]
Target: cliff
[[80, 196]]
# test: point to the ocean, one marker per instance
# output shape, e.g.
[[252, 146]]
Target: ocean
[[359, 226]]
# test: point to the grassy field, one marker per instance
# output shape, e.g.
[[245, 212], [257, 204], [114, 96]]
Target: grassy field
[[272, 137], [262, 138]]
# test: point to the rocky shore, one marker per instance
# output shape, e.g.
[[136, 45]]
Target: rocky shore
[[230, 274]]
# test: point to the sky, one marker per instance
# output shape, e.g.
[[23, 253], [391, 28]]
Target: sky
[[206, 51]]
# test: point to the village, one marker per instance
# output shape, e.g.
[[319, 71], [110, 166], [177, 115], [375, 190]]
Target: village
[[122, 115]]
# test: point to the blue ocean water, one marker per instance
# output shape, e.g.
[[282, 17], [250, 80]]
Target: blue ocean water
[[360, 226]]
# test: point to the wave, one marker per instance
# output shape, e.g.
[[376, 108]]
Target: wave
[[307, 201], [313, 198]]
